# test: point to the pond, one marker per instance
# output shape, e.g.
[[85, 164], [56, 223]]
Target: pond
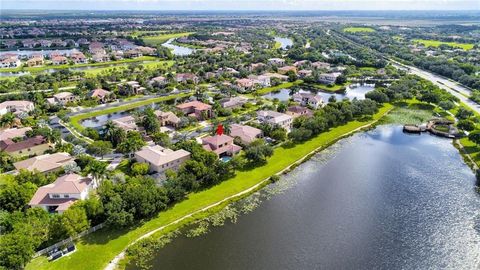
[[178, 50], [284, 42], [352, 91], [405, 202]]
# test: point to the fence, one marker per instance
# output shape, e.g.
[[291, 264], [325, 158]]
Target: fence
[[68, 240]]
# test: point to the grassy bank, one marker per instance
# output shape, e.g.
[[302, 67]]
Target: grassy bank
[[437, 43], [267, 90], [328, 88], [159, 39], [149, 65], [75, 120], [96, 250]]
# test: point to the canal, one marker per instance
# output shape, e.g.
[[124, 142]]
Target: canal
[[380, 199]]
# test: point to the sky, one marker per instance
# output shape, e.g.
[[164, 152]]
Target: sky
[[241, 4]]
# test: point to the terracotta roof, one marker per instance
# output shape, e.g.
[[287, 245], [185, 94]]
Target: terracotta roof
[[217, 140], [44, 163], [195, 104], [66, 184], [63, 94], [99, 93], [10, 146], [244, 132]]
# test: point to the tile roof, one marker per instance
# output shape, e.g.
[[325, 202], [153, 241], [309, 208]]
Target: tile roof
[[158, 155], [44, 163], [10, 146]]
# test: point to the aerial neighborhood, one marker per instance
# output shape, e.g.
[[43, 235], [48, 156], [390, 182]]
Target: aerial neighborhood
[[109, 122]]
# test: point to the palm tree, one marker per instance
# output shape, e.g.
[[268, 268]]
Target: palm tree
[[109, 129], [7, 120], [97, 169]]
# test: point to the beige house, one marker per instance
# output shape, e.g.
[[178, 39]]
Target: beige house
[[102, 95], [16, 106], [247, 134], [126, 123], [45, 163], [63, 98], [160, 159], [196, 109], [167, 118], [275, 118], [11, 133], [61, 194], [222, 145]]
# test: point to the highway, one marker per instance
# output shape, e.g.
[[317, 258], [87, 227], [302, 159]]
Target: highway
[[454, 88]]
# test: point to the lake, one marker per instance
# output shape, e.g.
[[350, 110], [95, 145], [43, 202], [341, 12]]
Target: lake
[[178, 50], [380, 199], [284, 42], [353, 91]]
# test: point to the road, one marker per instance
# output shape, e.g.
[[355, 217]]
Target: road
[[452, 87]]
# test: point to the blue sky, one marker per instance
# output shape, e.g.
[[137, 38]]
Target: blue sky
[[241, 4]]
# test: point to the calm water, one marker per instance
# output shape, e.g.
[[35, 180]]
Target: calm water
[[379, 200], [351, 92], [178, 50], [285, 42]]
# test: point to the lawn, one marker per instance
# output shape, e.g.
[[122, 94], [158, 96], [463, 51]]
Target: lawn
[[96, 250], [159, 39], [329, 88], [358, 30], [267, 90], [75, 120], [437, 43], [149, 65]]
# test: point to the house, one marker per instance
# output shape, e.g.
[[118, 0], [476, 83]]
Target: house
[[78, 58], [329, 78], [130, 88], [305, 73], [102, 95], [256, 66], [167, 118], [308, 99], [262, 80], [247, 134], [161, 159], [233, 102], [277, 76], [296, 111], [284, 70], [196, 109], [31, 146], [158, 81], [11, 133], [126, 123], [320, 65], [100, 57], [220, 144], [186, 77], [33, 62], [275, 118], [10, 62], [59, 60], [45, 163], [61, 194], [300, 63], [146, 50], [276, 61], [245, 84], [16, 106], [63, 98], [133, 53]]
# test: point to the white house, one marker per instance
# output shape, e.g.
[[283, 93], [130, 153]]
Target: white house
[[308, 99], [161, 159], [16, 106], [275, 118]]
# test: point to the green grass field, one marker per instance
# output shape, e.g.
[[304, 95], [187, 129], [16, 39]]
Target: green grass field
[[75, 120], [267, 90], [96, 250], [159, 39], [358, 30], [437, 43], [149, 65]]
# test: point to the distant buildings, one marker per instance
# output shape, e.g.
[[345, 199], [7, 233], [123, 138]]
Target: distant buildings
[[63, 98], [102, 95], [329, 78], [233, 102], [61, 194], [160, 159], [13, 133], [296, 111], [308, 99], [130, 88], [30, 146], [126, 123]]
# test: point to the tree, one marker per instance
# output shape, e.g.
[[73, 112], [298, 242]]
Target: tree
[[463, 113], [113, 133], [140, 168], [7, 119], [6, 162], [258, 152], [466, 124], [16, 250], [150, 121], [300, 134], [474, 136], [100, 148], [74, 220], [162, 139], [279, 134], [97, 169], [133, 142], [14, 196], [341, 79]]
